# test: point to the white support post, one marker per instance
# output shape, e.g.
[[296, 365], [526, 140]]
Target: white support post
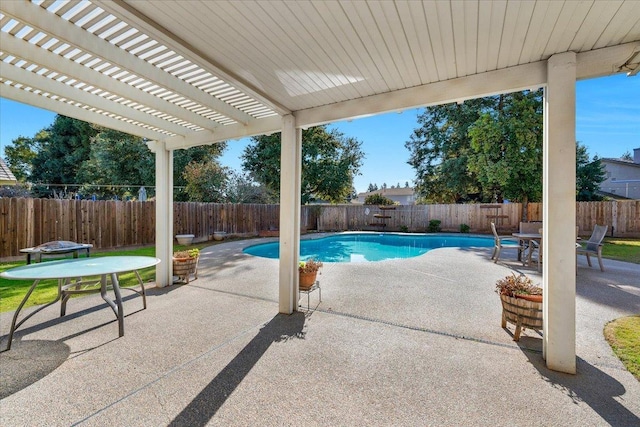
[[559, 214], [164, 212], [290, 178]]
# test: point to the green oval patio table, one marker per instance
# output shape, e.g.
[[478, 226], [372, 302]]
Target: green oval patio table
[[69, 274]]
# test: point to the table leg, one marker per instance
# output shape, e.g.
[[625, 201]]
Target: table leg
[[15, 325], [142, 292], [117, 306]]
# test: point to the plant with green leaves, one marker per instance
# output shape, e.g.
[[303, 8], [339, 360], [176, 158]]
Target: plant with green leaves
[[434, 226], [464, 228], [378, 199]]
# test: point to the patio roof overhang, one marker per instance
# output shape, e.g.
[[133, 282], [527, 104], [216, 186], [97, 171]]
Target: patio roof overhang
[[190, 73], [198, 72]]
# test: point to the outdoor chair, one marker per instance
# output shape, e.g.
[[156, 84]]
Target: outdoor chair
[[528, 228], [594, 245], [536, 251], [499, 244]]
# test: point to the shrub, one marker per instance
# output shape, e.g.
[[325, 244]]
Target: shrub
[[377, 199], [434, 226], [464, 228], [404, 229]]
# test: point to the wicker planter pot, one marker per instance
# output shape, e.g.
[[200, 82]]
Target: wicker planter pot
[[185, 267], [307, 280], [522, 313]]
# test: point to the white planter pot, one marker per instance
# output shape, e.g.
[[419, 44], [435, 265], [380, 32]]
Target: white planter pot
[[219, 235], [184, 239]]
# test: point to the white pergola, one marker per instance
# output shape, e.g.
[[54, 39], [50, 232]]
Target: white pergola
[[187, 73]]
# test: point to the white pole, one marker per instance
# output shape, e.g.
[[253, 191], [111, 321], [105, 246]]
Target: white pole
[[559, 214], [290, 178], [164, 212]]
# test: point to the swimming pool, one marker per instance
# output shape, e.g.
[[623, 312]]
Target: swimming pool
[[367, 247]]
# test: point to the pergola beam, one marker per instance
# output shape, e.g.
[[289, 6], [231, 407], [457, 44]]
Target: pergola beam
[[61, 107], [129, 14], [45, 84], [32, 53], [259, 127], [39, 18]]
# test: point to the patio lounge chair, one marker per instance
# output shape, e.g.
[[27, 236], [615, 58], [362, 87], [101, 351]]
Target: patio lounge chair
[[594, 245], [498, 246]]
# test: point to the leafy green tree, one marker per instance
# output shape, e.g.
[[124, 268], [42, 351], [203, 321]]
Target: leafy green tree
[[589, 175], [377, 199], [440, 148], [330, 161], [20, 154], [372, 187], [506, 144], [62, 152], [206, 181], [116, 158], [200, 154]]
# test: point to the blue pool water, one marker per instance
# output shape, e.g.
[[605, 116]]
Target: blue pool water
[[363, 247]]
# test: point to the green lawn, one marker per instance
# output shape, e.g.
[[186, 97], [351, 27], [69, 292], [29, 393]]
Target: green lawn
[[622, 249], [623, 336], [12, 291]]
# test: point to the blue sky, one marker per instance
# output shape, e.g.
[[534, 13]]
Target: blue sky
[[608, 123]]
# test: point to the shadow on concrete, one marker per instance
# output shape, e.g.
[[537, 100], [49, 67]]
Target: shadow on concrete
[[28, 362], [591, 386], [207, 403]]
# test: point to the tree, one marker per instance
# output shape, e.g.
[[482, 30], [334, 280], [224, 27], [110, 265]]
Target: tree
[[19, 156], [116, 158], [206, 181], [440, 147], [200, 154], [506, 147], [372, 187], [589, 175], [626, 156], [330, 161], [240, 188], [65, 148]]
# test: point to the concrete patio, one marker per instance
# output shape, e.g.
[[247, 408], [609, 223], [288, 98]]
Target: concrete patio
[[402, 342]]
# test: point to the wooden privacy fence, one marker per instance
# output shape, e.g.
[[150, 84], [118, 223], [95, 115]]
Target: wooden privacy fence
[[109, 224], [622, 217]]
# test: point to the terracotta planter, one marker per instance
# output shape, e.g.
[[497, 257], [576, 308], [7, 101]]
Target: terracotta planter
[[307, 280], [522, 313], [185, 267]]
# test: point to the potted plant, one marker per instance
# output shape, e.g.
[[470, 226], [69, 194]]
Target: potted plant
[[185, 263], [521, 303], [308, 271]]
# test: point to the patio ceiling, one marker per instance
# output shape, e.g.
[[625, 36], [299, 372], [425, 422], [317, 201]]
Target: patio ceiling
[[197, 72]]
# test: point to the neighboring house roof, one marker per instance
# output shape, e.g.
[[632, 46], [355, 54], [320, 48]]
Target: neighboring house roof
[[620, 162], [6, 176]]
